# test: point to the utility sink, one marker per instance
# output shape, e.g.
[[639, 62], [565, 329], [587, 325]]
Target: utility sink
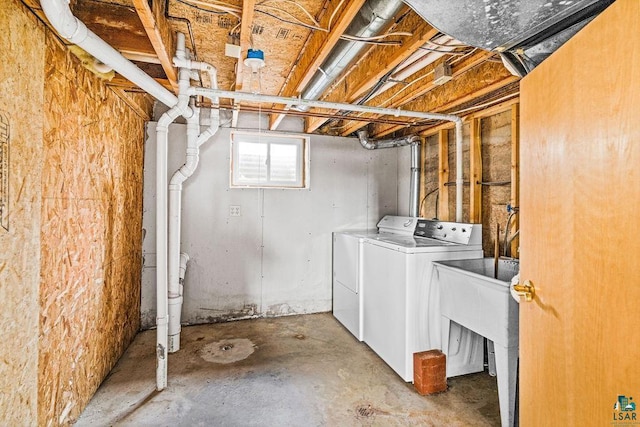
[[473, 298]]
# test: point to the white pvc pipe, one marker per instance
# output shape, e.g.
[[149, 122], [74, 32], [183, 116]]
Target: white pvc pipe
[[175, 199], [194, 140], [414, 188], [256, 97], [71, 28], [459, 171], [162, 308], [253, 97]]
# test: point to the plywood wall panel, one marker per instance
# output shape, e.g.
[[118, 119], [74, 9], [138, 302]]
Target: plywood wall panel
[[21, 97], [91, 235]]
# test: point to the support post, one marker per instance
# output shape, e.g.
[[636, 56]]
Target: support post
[[443, 174], [475, 172], [515, 176]]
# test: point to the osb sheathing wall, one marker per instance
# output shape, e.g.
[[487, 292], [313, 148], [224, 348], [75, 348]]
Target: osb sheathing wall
[[91, 235], [70, 261], [21, 105]]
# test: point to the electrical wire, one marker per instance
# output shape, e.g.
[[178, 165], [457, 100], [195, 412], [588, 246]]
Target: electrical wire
[[374, 42], [334, 14], [448, 52], [444, 45], [295, 3], [207, 7], [189, 28], [301, 24], [233, 30], [297, 21]]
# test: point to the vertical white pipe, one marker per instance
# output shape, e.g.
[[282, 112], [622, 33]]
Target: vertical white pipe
[[175, 205], [414, 203], [162, 309], [162, 282], [194, 140], [459, 171]]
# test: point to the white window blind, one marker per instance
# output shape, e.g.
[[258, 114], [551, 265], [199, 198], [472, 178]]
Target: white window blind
[[269, 160]]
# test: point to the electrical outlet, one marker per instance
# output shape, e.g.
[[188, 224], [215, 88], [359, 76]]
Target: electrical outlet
[[234, 210]]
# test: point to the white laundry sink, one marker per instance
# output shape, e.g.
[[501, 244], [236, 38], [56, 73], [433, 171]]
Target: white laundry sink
[[473, 298]]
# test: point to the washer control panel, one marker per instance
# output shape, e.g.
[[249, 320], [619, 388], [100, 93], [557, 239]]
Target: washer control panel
[[454, 232]]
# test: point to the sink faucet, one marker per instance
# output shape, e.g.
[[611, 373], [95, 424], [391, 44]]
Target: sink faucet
[[508, 239]]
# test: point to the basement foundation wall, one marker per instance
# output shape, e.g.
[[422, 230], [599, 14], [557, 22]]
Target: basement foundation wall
[[274, 259], [70, 263]]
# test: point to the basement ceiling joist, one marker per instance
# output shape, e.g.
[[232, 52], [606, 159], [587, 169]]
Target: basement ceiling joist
[[377, 61], [418, 85], [317, 49], [296, 37], [160, 35]]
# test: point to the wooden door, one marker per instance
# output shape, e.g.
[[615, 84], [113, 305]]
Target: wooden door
[[580, 228]]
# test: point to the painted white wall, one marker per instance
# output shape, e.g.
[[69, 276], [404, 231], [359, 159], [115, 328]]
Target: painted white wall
[[274, 259]]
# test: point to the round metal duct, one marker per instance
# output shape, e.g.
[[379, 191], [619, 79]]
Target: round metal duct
[[514, 26]]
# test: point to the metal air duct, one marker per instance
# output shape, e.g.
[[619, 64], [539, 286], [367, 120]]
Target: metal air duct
[[414, 141], [372, 18], [525, 32]]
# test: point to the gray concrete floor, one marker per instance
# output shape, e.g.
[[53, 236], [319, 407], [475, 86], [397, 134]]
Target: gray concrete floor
[[288, 371]]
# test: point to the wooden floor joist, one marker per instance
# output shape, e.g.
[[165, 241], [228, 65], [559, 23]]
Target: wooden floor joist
[[317, 49], [378, 61], [399, 95], [479, 81], [475, 172], [248, 7], [160, 35]]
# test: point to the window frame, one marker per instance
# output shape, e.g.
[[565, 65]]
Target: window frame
[[267, 138]]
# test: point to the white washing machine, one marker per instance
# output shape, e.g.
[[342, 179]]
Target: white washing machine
[[348, 268], [401, 314]]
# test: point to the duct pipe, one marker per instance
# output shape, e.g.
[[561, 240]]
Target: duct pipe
[[372, 18], [414, 141], [385, 143], [71, 28], [194, 140], [414, 195]]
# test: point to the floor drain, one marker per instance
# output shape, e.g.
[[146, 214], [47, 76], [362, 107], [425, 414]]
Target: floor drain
[[365, 411], [227, 351]]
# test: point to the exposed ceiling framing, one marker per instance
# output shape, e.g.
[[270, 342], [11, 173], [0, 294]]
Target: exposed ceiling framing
[[297, 37]]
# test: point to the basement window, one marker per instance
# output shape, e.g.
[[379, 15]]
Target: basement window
[[269, 160]]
